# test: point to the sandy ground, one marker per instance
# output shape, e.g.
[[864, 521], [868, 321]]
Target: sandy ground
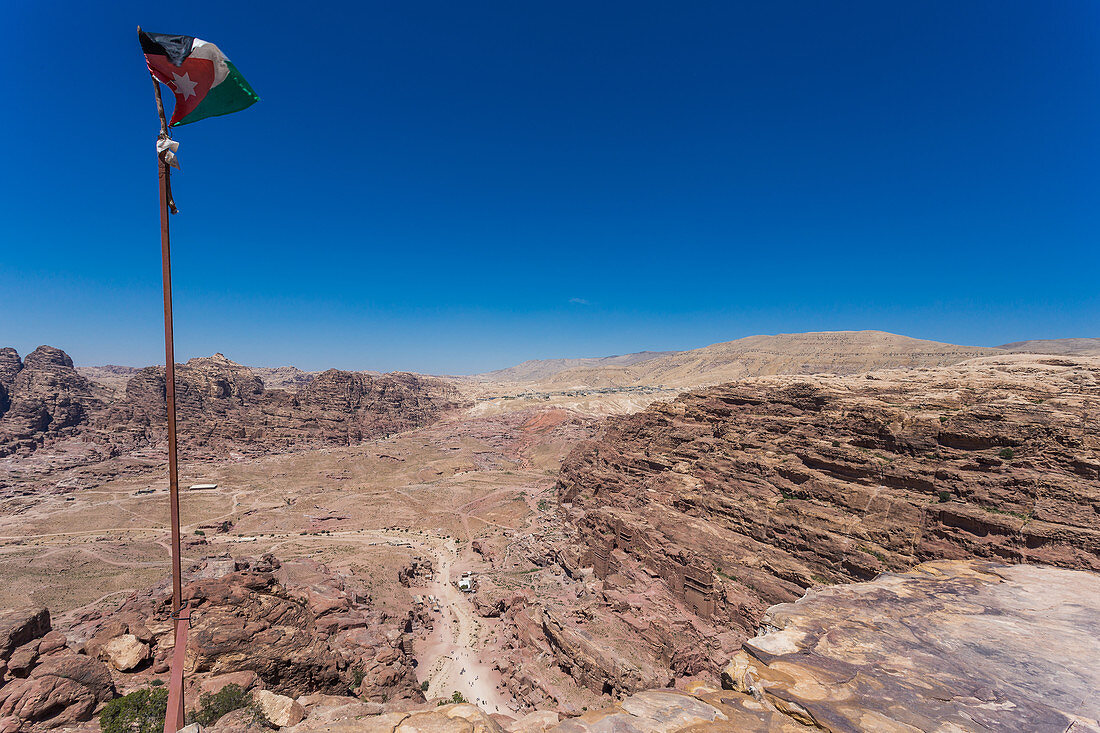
[[452, 658], [365, 510]]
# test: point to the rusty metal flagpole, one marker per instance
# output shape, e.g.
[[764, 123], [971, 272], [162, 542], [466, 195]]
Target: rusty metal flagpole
[[174, 718]]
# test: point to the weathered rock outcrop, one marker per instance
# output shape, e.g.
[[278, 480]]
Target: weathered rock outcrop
[[221, 406], [44, 683], [294, 624], [43, 397], [698, 515], [950, 646]]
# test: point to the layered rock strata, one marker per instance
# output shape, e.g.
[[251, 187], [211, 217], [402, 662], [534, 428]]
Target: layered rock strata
[[955, 646], [696, 516]]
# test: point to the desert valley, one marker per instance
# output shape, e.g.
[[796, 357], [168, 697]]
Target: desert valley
[[838, 531]]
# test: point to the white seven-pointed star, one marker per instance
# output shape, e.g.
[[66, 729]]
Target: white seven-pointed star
[[184, 85]]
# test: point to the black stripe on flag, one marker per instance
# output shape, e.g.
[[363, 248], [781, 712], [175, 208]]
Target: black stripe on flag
[[176, 48]]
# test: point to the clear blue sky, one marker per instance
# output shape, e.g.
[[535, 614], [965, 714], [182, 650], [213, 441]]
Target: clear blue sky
[[454, 187]]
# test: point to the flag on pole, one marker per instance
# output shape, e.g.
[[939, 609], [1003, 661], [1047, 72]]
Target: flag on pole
[[205, 82]]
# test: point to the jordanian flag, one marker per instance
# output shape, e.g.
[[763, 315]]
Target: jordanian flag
[[205, 82]]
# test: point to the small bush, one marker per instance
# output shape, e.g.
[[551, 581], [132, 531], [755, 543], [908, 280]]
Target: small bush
[[543, 505], [156, 683], [424, 686], [456, 697], [836, 443], [213, 706], [200, 533], [945, 496], [139, 712], [356, 678], [1006, 453]]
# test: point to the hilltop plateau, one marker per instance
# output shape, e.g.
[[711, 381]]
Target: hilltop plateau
[[831, 352]]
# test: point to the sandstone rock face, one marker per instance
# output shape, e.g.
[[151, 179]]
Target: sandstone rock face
[[672, 711], [246, 680], [46, 683], [286, 377], [43, 398], [535, 722], [125, 652], [220, 405], [952, 645], [460, 718], [10, 364], [292, 625], [280, 710], [696, 516], [20, 626]]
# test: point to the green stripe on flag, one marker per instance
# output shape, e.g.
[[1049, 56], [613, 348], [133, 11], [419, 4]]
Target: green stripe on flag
[[232, 95]]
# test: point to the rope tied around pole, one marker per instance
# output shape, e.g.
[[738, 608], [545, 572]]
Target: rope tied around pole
[[181, 616]]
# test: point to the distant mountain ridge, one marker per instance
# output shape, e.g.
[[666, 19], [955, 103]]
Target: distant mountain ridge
[[534, 370], [1068, 347], [221, 405], [833, 352]]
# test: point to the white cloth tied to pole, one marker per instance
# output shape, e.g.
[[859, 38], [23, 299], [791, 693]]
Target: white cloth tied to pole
[[166, 149]]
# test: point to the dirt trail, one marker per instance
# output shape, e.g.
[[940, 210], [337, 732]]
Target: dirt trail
[[452, 659]]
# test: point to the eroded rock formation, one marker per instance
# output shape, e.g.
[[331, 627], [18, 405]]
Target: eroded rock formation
[[949, 646], [296, 626], [41, 398], [286, 629], [44, 683], [221, 406], [697, 515]]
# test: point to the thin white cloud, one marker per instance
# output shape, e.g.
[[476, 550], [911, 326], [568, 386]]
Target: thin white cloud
[[579, 301]]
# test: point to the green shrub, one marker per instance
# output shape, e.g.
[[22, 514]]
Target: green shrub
[[1006, 453], [200, 533], [139, 712], [213, 706], [945, 496], [456, 697], [424, 686]]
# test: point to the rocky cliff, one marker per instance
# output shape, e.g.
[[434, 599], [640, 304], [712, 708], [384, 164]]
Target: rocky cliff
[[41, 398], [221, 406], [697, 515], [950, 646]]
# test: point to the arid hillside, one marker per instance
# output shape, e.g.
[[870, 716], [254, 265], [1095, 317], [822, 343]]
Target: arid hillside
[[1077, 346], [536, 370], [839, 352]]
